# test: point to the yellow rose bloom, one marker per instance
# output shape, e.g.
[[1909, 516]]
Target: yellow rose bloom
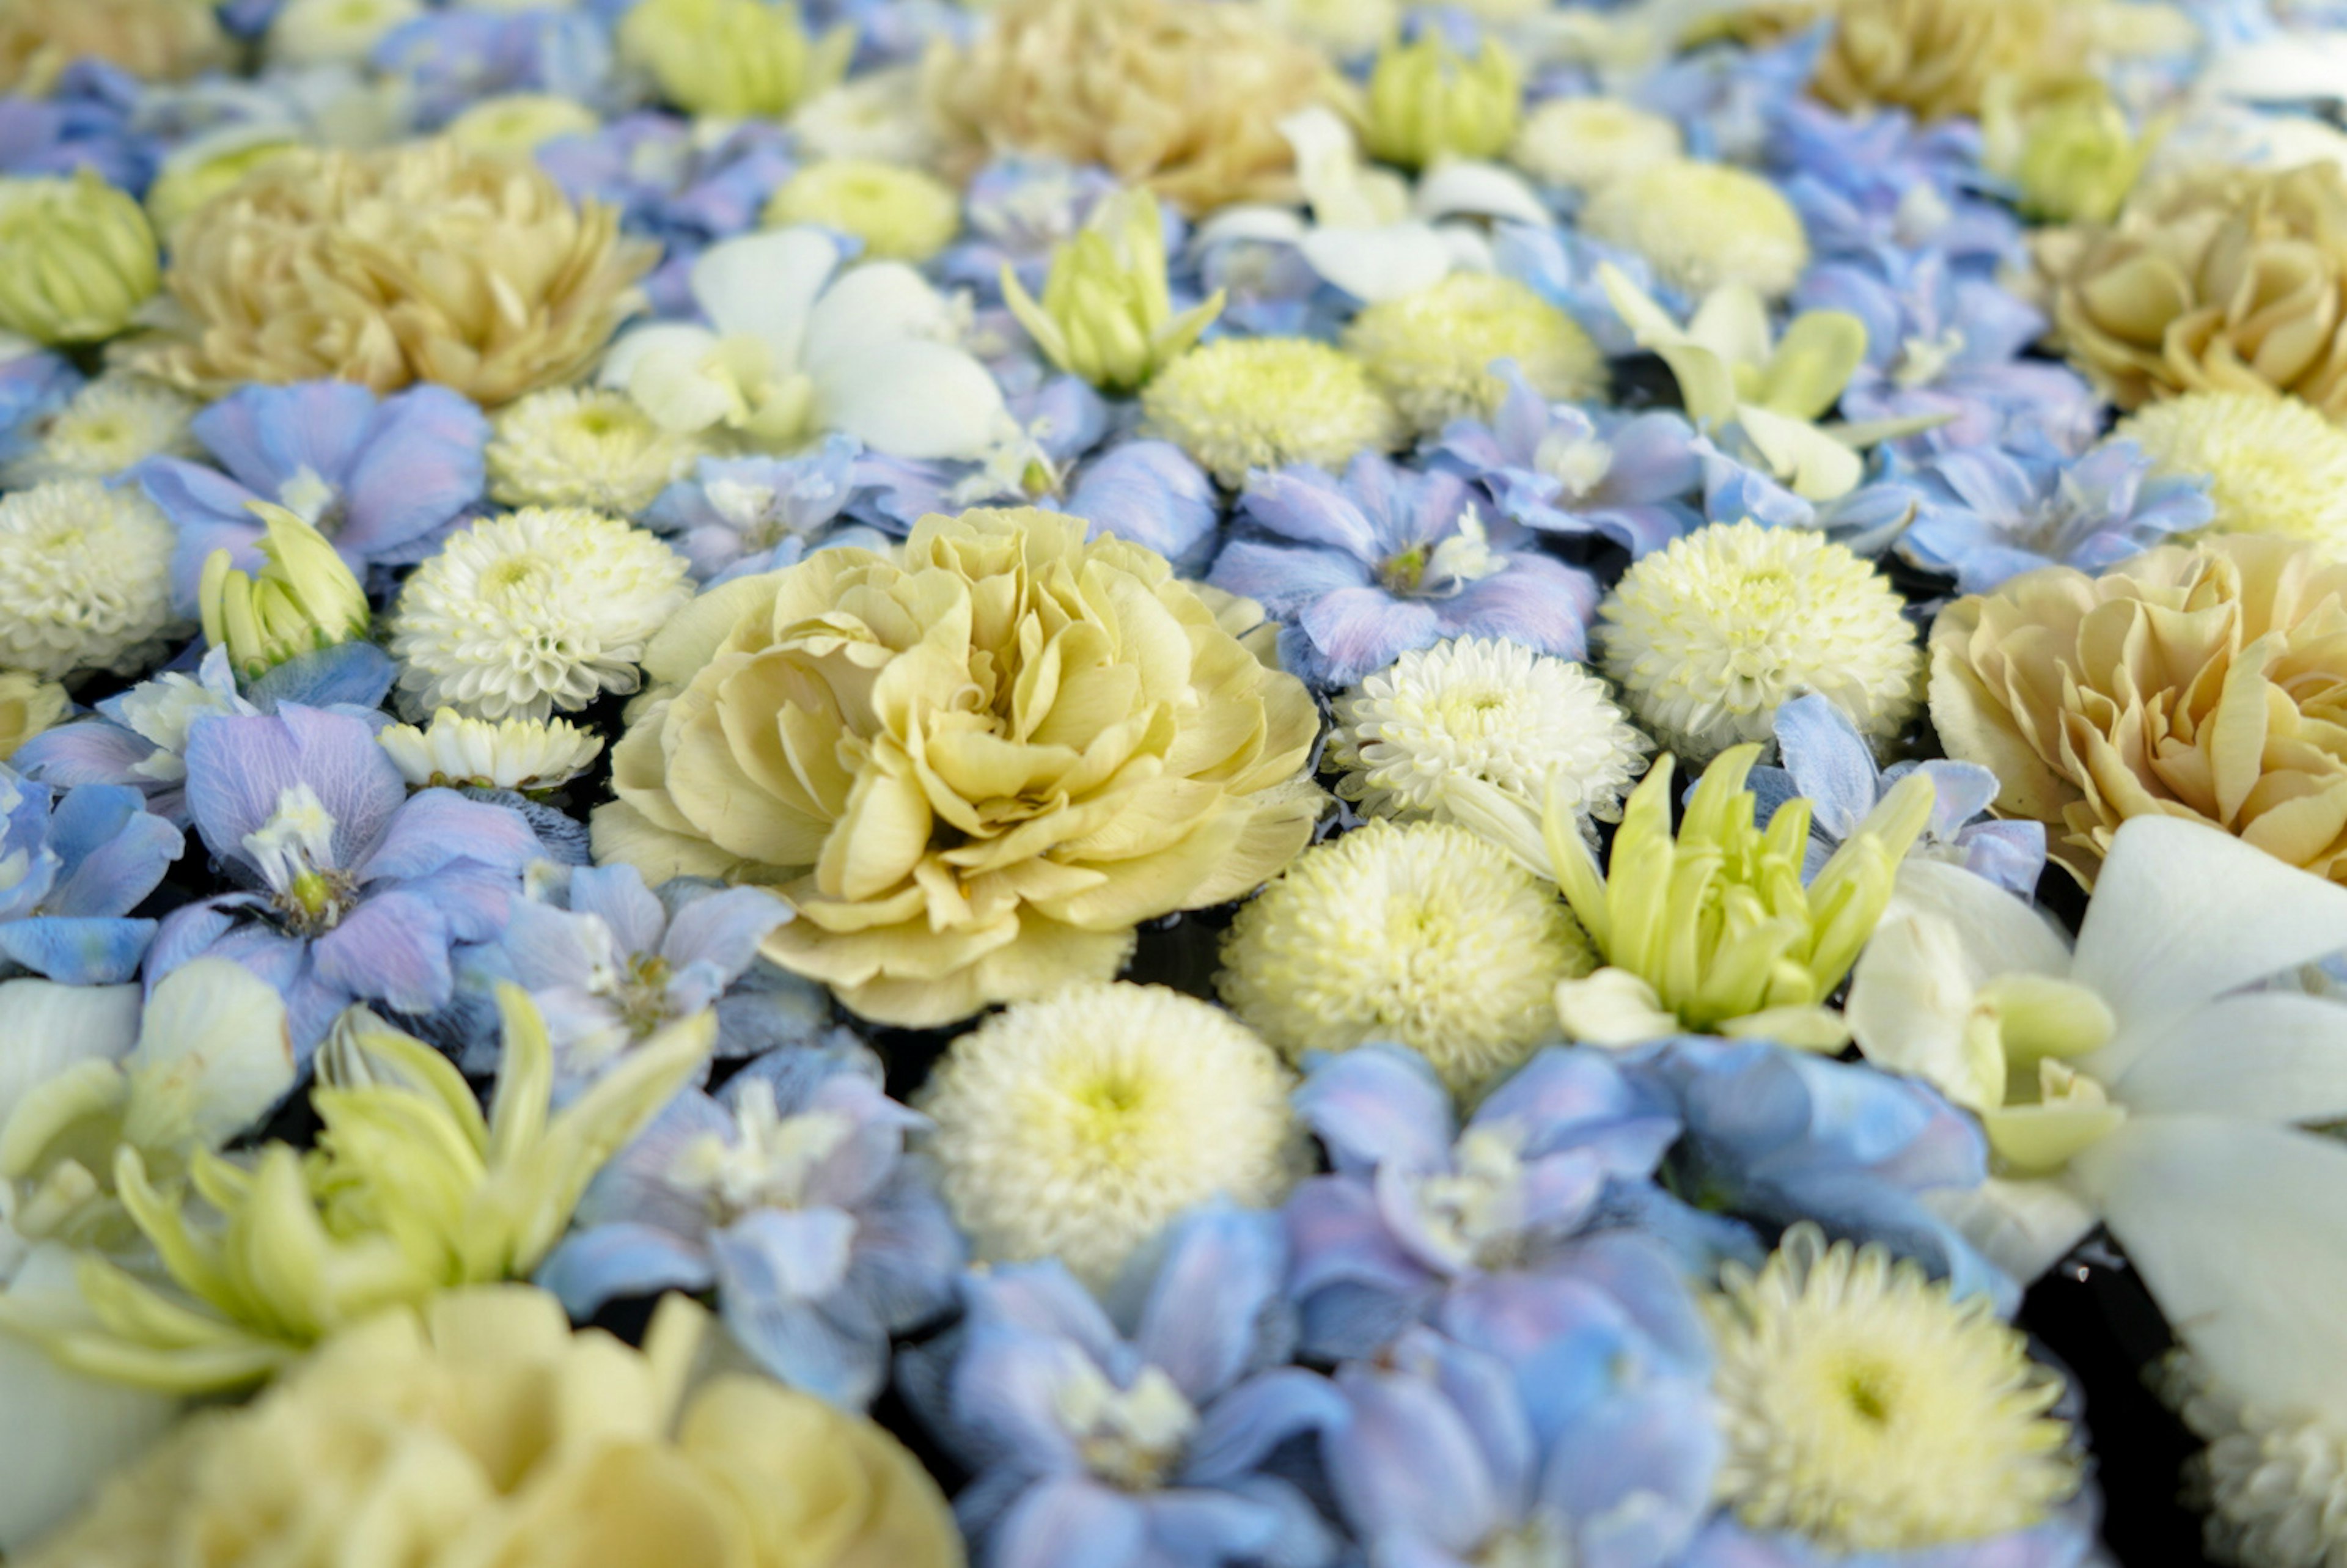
[[973, 764]]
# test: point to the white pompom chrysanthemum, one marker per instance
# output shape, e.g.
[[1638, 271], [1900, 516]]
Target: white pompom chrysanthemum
[[1265, 403], [1709, 637], [1701, 225], [2274, 465], [1867, 1409], [1431, 352], [111, 424], [580, 447], [2274, 1484], [84, 579], [530, 611], [1425, 934], [1077, 1126], [1489, 710], [512, 754], [1582, 143]]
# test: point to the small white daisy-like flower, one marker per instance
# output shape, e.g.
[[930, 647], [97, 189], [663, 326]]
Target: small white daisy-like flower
[[583, 446], [2273, 1483], [530, 611], [2274, 465], [1488, 709], [1582, 143], [1424, 934], [1077, 1126], [1701, 225], [1431, 352], [1265, 403], [85, 578], [115, 421], [1863, 1407], [1710, 636], [512, 754]]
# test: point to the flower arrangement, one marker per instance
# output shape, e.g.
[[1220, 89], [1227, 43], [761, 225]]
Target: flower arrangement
[[1172, 784]]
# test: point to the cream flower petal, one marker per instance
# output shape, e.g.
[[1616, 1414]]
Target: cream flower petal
[[868, 308], [1463, 187], [1381, 264], [2270, 1056], [912, 398], [213, 1055], [2022, 1227], [49, 1028], [766, 286]]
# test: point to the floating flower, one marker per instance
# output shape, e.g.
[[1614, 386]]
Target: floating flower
[[1238, 405], [578, 446], [1711, 635], [623, 1450], [421, 262], [1182, 99], [1988, 515], [1077, 1127], [791, 1195], [1702, 226], [737, 513], [1039, 826], [1428, 101], [456, 753], [1585, 143], [1424, 934], [111, 424], [1106, 314], [1431, 352], [1937, 57], [2051, 682], [81, 258], [732, 59], [84, 579], [901, 214], [2273, 465], [78, 861], [151, 40], [1387, 560], [28, 706], [1867, 1410], [530, 611], [1489, 710]]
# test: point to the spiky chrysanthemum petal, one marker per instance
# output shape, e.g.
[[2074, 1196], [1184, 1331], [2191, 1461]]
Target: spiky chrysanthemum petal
[[85, 578], [1431, 352], [1265, 403], [579, 446], [514, 753], [2274, 1483], [1701, 225], [2274, 465]]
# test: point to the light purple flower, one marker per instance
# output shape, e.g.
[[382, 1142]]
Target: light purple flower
[[137, 738], [741, 515], [33, 388], [378, 477], [1867, 520], [1387, 561], [356, 889], [1988, 515], [1874, 186], [454, 58], [792, 1195], [1050, 430], [73, 864], [82, 122], [1019, 211], [2066, 1540], [1729, 101], [1141, 1448], [1152, 493]]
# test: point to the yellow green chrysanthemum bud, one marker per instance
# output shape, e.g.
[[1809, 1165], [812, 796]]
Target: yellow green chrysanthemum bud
[[2073, 157], [901, 214], [1713, 931], [1106, 314], [733, 58], [1429, 101], [76, 259], [409, 1192], [304, 598]]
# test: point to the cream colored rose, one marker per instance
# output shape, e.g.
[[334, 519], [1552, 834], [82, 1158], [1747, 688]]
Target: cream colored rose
[[2206, 681], [2220, 280], [972, 765]]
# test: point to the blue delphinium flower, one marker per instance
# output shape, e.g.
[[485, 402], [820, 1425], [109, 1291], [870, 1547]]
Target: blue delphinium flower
[[355, 889], [1775, 1136], [1561, 469], [1562, 266], [1828, 764], [1728, 101], [1497, 1235], [2066, 1540], [83, 122], [33, 387], [610, 963], [137, 738], [1875, 186], [791, 1195], [738, 516], [1152, 493], [1990, 513], [1050, 430], [1365, 570], [452, 59], [1867, 520], [1097, 1449], [1019, 209], [378, 476], [72, 868]]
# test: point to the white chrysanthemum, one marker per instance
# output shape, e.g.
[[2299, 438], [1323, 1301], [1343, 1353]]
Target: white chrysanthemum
[[1864, 1408], [1487, 709], [1582, 143], [1431, 352], [334, 32], [1265, 403], [583, 446], [530, 611], [879, 115], [2274, 465], [512, 754], [1708, 638], [1704, 224], [1077, 1126], [111, 424], [1424, 935], [2273, 1483], [85, 578]]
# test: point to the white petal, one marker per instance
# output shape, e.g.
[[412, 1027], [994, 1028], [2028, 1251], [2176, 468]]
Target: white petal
[[2022, 1227], [2298, 68], [2241, 1233], [1733, 322], [880, 303], [912, 399], [2000, 932], [1271, 225], [765, 285], [2270, 1056], [1809, 462], [2184, 912], [1382, 263], [213, 1055], [1481, 191], [46, 1028]]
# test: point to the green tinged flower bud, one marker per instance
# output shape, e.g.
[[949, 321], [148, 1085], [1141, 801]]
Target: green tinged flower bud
[[733, 58], [305, 599], [2073, 157], [1106, 314], [76, 259], [1428, 101]]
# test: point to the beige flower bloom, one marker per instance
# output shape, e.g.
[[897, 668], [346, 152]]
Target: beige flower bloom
[[2220, 279], [1935, 57], [154, 40], [973, 764], [28, 705], [2206, 681], [481, 1429], [1183, 98], [423, 262]]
